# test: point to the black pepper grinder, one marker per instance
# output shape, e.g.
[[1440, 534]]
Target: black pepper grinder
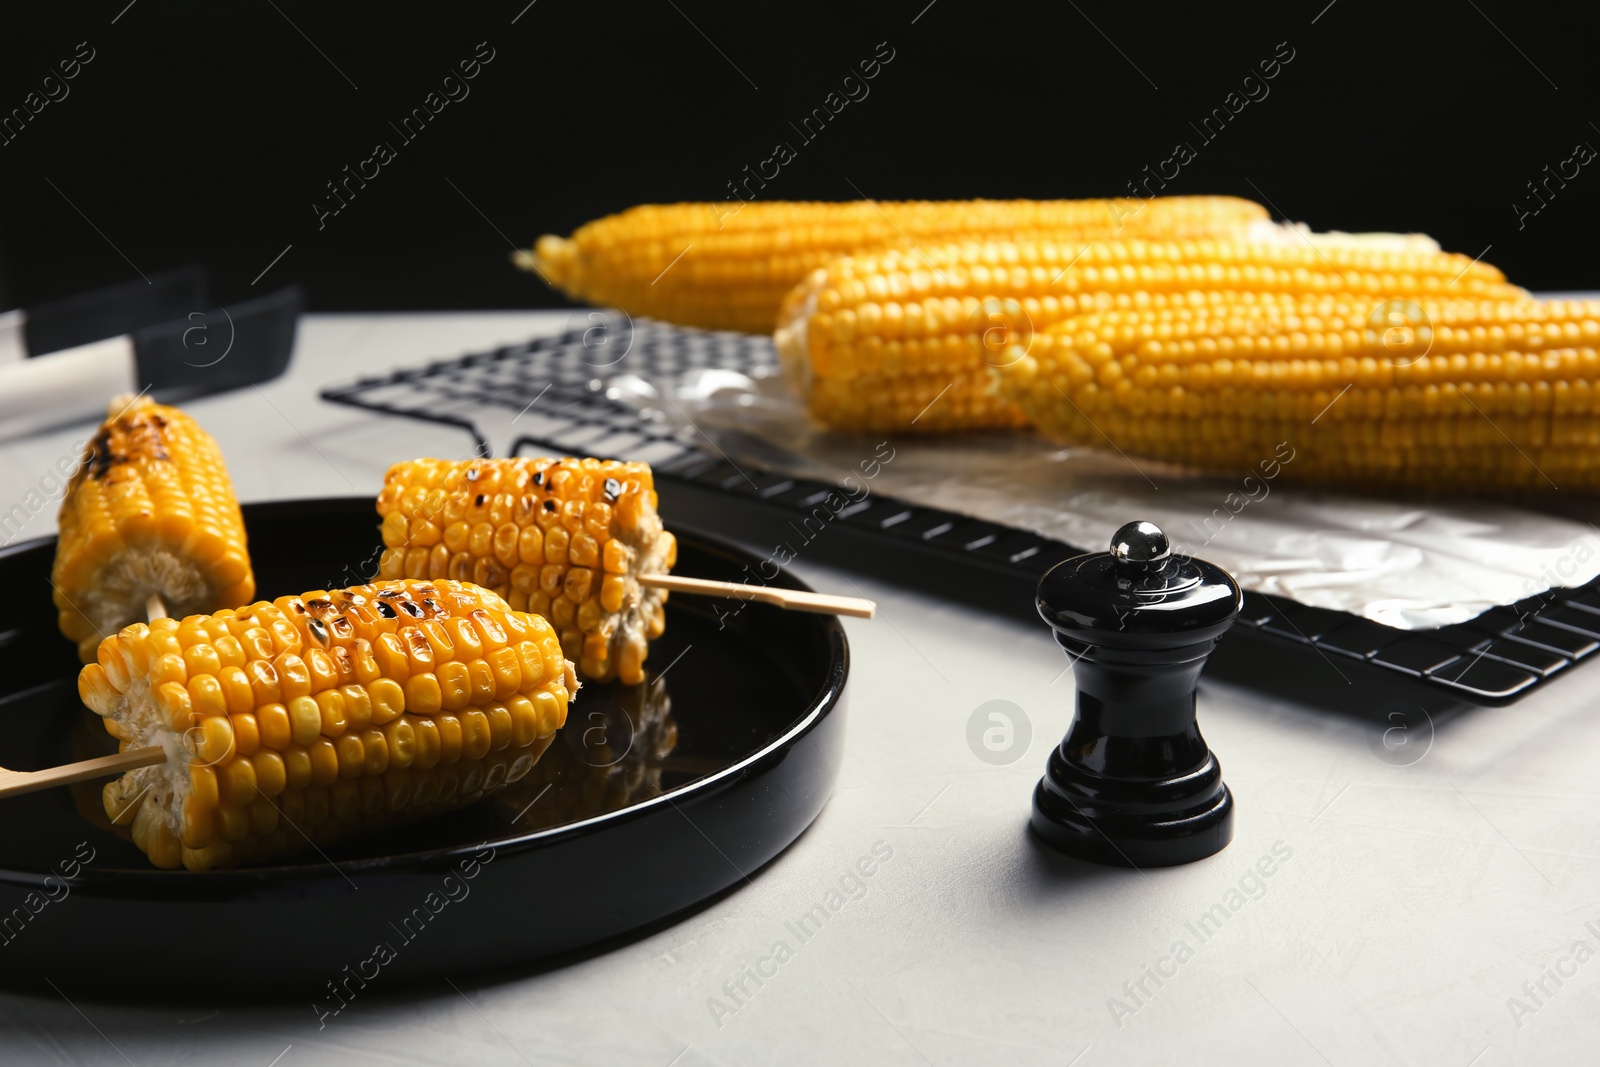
[[1133, 783]]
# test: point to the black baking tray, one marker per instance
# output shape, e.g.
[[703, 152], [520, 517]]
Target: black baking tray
[[652, 800]]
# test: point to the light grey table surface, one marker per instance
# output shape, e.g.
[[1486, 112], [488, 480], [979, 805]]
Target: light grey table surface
[[1410, 911]]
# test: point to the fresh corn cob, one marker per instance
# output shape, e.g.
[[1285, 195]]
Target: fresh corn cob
[[727, 267], [563, 538], [317, 717], [150, 510], [607, 760], [902, 341], [1451, 395]]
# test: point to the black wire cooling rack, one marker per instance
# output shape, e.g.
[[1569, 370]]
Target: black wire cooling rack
[[548, 395]]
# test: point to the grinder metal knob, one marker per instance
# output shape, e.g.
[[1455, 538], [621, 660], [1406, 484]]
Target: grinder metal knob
[[1140, 542], [1133, 783]]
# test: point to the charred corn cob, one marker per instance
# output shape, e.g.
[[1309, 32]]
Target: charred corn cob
[[1457, 395], [150, 510], [313, 718], [728, 267], [563, 538], [902, 340]]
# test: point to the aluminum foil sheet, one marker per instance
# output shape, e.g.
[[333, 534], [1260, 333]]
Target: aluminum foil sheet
[[1410, 564]]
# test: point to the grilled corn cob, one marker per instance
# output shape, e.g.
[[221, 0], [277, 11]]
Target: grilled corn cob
[[900, 341], [563, 538], [1456, 395], [149, 511], [727, 268], [313, 718]]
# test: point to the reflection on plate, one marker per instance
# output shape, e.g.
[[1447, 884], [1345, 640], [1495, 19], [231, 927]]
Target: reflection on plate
[[609, 755]]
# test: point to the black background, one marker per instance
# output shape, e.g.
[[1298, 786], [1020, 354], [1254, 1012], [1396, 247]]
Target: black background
[[205, 132]]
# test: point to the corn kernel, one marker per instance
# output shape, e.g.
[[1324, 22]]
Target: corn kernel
[[500, 725], [388, 700], [246, 733], [455, 685], [238, 781], [205, 695], [392, 661], [376, 758], [320, 667], [401, 741], [294, 679], [525, 725], [236, 692], [305, 720], [201, 658], [506, 666], [449, 737], [330, 704], [297, 771], [427, 742], [272, 775], [475, 734], [352, 755], [423, 695], [357, 706]]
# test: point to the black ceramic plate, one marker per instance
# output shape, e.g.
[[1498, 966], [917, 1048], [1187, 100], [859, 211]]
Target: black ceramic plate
[[651, 800]]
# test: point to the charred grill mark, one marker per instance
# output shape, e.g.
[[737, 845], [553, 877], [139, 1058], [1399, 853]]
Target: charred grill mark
[[100, 458], [124, 441]]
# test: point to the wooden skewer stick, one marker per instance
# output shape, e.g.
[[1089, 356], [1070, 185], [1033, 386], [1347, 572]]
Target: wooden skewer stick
[[15, 782], [791, 599]]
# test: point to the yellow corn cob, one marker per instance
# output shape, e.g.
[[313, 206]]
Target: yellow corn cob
[[317, 717], [1452, 395], [150, 510], [563, 538], [901, 341], [728, 266]]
